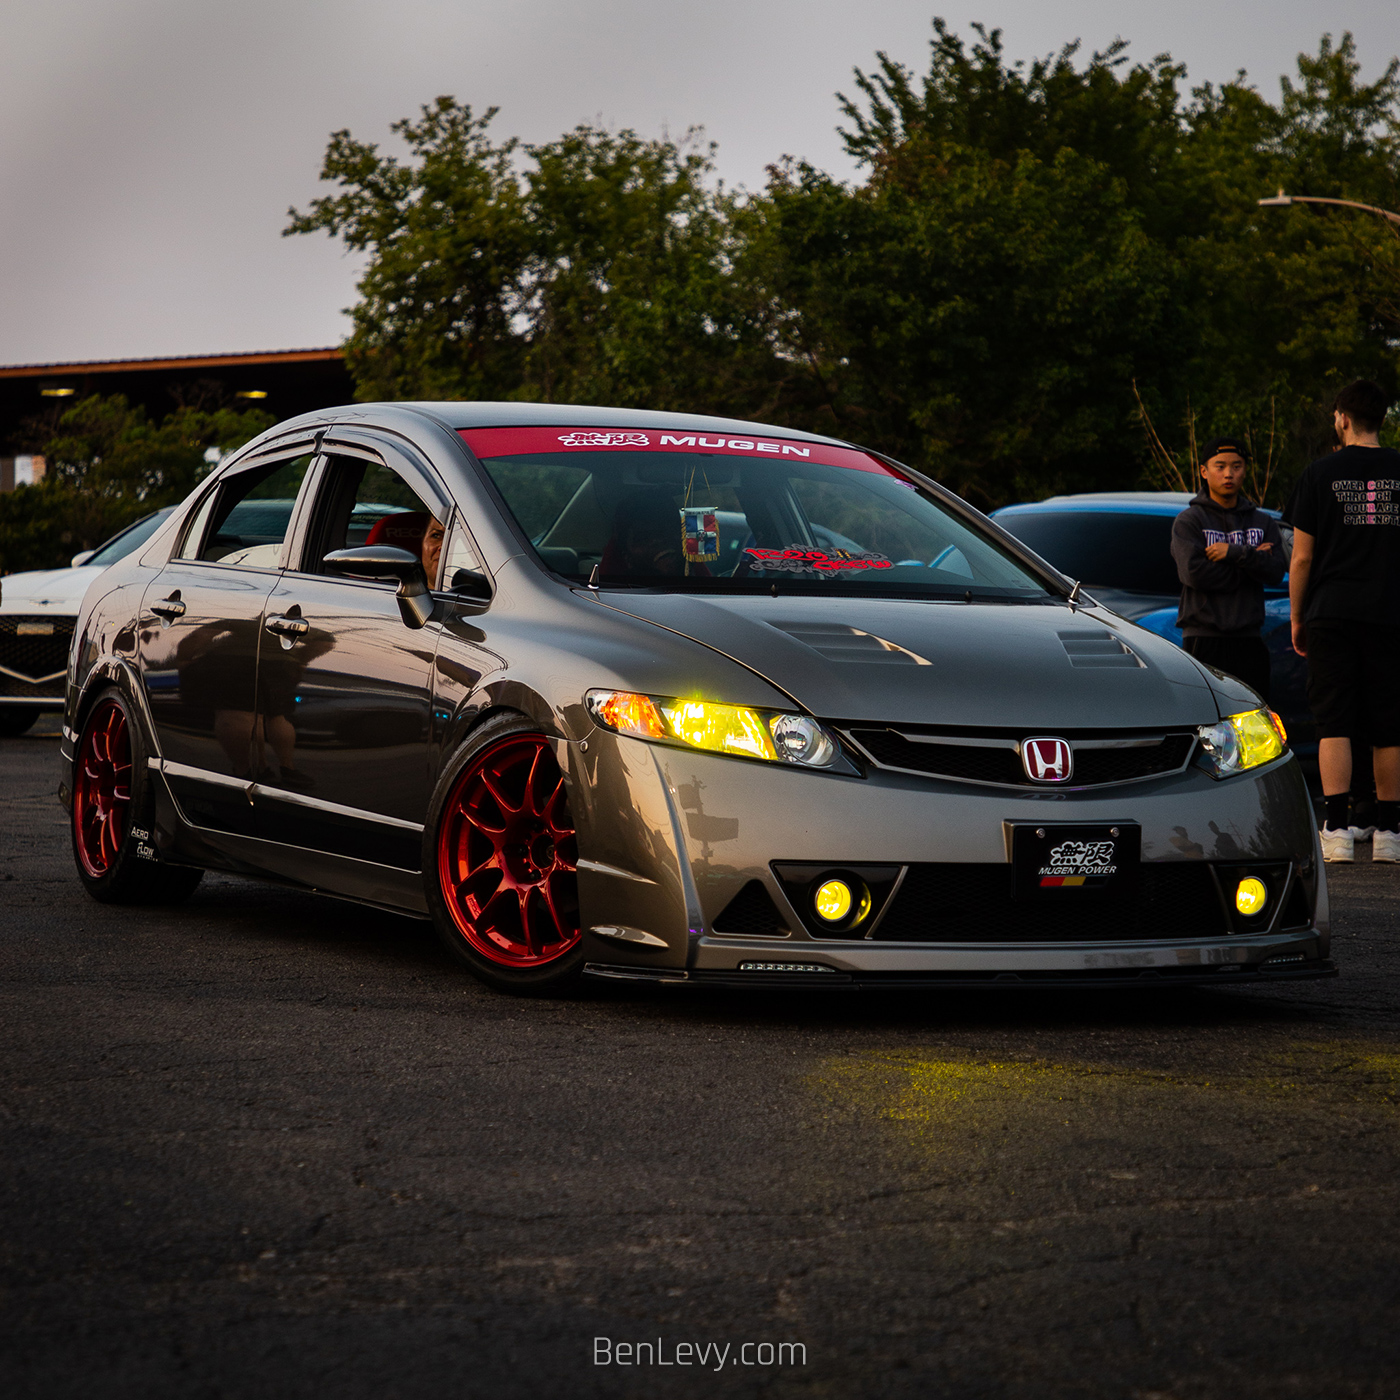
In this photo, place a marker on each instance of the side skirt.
(342, 877)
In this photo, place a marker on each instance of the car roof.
(1111, 503)
(486, 414)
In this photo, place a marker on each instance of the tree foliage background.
(1037, 255)
(107, 466)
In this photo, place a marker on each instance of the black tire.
(503, 891)
(16, 720)
(112, 812)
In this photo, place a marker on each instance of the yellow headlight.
(776, 736)
(1243, 741)
(833, 901)
(1251, 896)
(721, 728)
(1259, 739)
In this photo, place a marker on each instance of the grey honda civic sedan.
(672, 698)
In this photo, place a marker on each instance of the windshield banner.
(515, 442)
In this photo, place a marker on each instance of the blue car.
(1118, 544)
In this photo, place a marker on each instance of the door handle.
(169, 608)
(286, 626)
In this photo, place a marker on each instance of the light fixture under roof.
(251, 394)
(57, 393)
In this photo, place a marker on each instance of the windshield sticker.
(514, 442)
(816, 561)
(604, 440)
(699, 534)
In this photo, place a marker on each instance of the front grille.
(995, 761)
(32, 660)
(976, 904)
(752, 912)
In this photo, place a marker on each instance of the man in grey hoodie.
(1226, 550)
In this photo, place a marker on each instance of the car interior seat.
(403, 530)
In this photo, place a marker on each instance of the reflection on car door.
(198, 651)
(344, 686)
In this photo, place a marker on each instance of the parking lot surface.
(267, 1144)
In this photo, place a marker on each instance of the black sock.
(1388, 816)
(1338, 818)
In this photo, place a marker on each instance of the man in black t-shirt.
(1344, 591)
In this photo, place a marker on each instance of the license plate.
(34, 629)
(1075, 862)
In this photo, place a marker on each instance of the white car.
(37, 613)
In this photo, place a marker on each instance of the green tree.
(978, 318)
(1033, 250)
(108, 466)
(595, 268)
(1268, 312)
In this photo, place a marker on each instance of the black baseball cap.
(1224, 444)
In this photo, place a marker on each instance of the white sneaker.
(1337, 846)
(1387, 846)
(1362, 833)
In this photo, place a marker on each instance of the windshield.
(651, 510)
(133, 537)
(1113, 549)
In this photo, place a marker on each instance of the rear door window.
(245, 518)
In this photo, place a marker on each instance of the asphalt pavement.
(268, 1144)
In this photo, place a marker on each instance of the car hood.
(982, 665)
(46, 590)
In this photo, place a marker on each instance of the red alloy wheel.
(508, 855)
(102, 789)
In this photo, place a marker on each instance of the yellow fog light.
(1251, 896)
(841, 903)
(833, 901)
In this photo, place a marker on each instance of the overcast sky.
(149, 148)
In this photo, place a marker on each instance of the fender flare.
(105, 671)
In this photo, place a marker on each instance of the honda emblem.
(1047, 760)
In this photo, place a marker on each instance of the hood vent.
(1099, 649)
(837, 642)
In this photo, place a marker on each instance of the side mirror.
(471, 584)
(387, 562)
(81, 558)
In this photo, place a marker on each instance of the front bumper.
(673, 836)
(34, 658)
(1084, 979)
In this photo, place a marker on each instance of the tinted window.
(720, 522)
(1102, 547)
(244, 520)
(365, 502)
